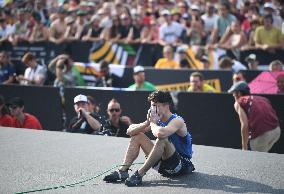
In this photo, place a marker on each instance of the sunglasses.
(13, 107)
(114, 110)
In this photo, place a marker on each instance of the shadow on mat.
(214, 182)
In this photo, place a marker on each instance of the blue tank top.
(183, 145)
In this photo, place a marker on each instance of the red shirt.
(6, 121)
(261, 116)
(30, 122)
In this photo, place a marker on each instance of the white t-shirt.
(35, 74)
(209, 22)
(237, 66)
(170, 33)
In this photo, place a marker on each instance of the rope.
(76, 183)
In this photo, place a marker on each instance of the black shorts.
(173, 166)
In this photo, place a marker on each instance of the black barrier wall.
(213, 121)
(210, 117)
(43, 102)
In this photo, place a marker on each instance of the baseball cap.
(182, 49)
(165, 12)
(138, 69)
(80, 98)
(251, 57)
(239, 86)
(16, 101)
(204, 58)
(268, 5)
(195, 7)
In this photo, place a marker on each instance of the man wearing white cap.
(84, 122)
(170, 31)
(139, 78)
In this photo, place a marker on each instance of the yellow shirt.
(270, 37)
(205, 88)
(164, 63)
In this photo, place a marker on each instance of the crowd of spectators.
(234, 24)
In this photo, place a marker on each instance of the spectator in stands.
(167, 62)
(268, 37)
(225, 18)
(6, 30)
(80, 23)
(197, 84)
(234, 37)
(125, 28)
(280, 83)
(35, 74)
(39, 32)
(150, 33)
(105, 77)
(209, 18)
(205, 62)
(259, 123)
(183, 56)
(239, 76)
(276, 66)
(113, 33)
(252, 62)
(117, 124)
(170, 31)
(71, 30)
(7, 70)
(21, 27)
(5, 118)
(226, 63)
(58, 27)
(170, 154)
(196, 32)
(20, 118)
(93, 31)
(85, 121)
(63, 65)
(270, 9)
(139, 78)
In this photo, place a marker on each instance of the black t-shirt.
(81, 125)
(117, 131)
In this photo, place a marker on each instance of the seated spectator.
(170, 31)
(58, 27)
(167, 62)
(105, 78)
(252, 63)
(139, 78)
(225, 18)
(80, 23)
(113, 33)
(5, 118)
(125, 28)
(93, 31)
(183, 57)
(226, 63)
(196, 32)
(234, 37)
(209, 18)
(150, 33)
(197, 83)
(7, 70)
(205, 62)
(276, 66)
(6, 30)
(35, 74)
(269, 8)
(239, 76)
(71, 30)
(39, 31)
(21, 28)
(268, 37)
(280, 83)
(117, 124)
(22, 119)
(85, 121)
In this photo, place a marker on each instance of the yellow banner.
(215, 83)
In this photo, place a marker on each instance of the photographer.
(61, 66)
(84, 122)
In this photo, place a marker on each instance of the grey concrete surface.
(33, 160)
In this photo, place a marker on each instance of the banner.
(215, 83)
